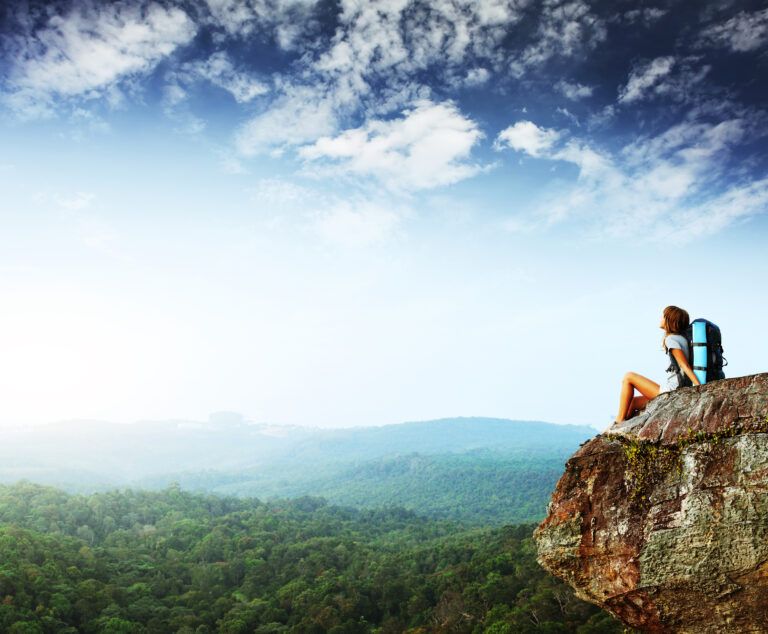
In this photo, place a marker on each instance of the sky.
(360, 213)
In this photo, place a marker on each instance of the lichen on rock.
(664, 522)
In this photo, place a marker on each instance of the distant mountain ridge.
(452, 467)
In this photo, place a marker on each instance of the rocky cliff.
(664, 522)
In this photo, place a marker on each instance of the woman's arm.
(684, 366)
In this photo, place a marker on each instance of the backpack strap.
(682, 378)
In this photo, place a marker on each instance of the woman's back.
(674, 342)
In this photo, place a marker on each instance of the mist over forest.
(476, 470)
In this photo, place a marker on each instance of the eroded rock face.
(665, 523)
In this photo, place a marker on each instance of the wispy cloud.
(219, 70)
(645, 16)
(742, 33)
(657, 187)
(357, 223)
(644, 78)
(87, 223)
(378, 50)
(175, 107)
(275, 194)
(573, 91)
(85, 52)
(76, 201)
(231, 164)
(286, 20)
(300, 115)
(679, 80)
(566, 28)
(349, 222)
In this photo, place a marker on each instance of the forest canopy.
(172, 561)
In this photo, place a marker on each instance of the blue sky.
(352, 213)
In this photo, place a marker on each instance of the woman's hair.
(676, 321)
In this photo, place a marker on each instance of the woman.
(674, 322)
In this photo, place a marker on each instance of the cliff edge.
(664, 523)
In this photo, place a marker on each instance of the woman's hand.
(682, 361)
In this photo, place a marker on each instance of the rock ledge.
(664, 522)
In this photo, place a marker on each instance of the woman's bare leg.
(625, 398)
(631, 382)
(638, 403)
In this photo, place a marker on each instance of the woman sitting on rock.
(674, 322)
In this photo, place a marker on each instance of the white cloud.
(743, 32)
(235, 16)
(643, 79)
(669, 186)
(569, 116)
(427, 147)
(476, 77)
(573, 91)
(526, 136)
(301, 115)
(407, 35)
(679, 80)
(173, 95)
(737, 203)
(388, 42)
(85, 52)
(692, 142)
(220, 71)
(217, 69)
(566, 28)
(285, 20)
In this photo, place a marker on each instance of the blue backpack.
(705, 355)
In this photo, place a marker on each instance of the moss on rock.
(649, 463)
